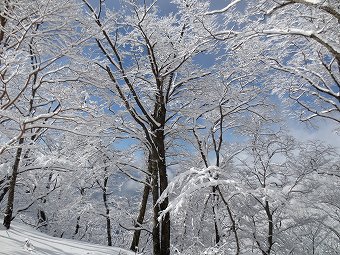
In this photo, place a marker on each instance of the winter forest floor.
(22, 239)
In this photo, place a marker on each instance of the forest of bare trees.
(179, 127)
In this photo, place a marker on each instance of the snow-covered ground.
(21, 240)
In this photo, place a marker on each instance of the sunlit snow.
(21, 239)
(313, 1)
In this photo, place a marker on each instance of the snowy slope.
(22, 240)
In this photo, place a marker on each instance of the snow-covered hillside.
(22, 240)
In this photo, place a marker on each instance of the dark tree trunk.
(214, 188)
(215, 198)
(155, 195)
(270, 228)
(5, 187)
(165, 224)
(159, 166)
(42, 217)
(140, 218)
(11, 190)
(232, 219)
(108, 220)
(161, 231)
(3, 21)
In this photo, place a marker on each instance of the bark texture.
(11, 190)
(140, 219)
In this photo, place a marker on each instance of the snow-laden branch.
(65, 129)
(189, 183)
(11, 142)
(301, 72)
(315, 35)
(225, 9)
(321, 4)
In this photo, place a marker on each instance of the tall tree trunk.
(12, 183)
(140, 218)
(270, 228)
(163, 181)
(160, 167)
(214, 208)
(161, 231)
(77, 227)
(155, 195)
(108, 220)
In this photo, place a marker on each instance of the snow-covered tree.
(101, 102)
(148, 61)
(40, 81)
(299, 41)
(273, 190)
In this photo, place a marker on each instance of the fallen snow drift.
(21, 240)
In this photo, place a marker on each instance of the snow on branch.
(189, 183)
(321, 4)
(225, 9)
(334, 49)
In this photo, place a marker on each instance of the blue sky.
(165, 5)
(297, 129)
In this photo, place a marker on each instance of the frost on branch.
(185, 185)
(302, 39)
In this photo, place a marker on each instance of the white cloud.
(325, 131)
